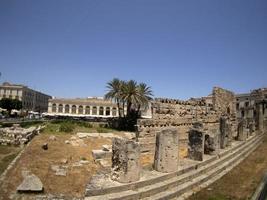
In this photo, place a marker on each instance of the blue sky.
(181, 48)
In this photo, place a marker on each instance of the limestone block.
(126, 165)
(225, 133)
(196, 144)
(261, 118)
(240, 131)
(251, 127)
(31, 183)
(212, 142)
(166, 152)
(100, 154)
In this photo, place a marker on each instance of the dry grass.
(241, 182)
(7, 154)
(39, 161)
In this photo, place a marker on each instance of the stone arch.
(80, 110)
(107, 111)
(60, 108)
(87, 110)
(94, 110)
(67, 108)
(54, 107)
(73, 109)
(101, 110)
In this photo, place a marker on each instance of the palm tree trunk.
(118, 105)
(123, 105)
(138, 109)
(129, 105)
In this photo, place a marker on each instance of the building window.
(246, 104)
(80, 110)
(73, 109)
(237, 106)
(60, 108)
(114, 111)
(67, 108)
(242, 113)
(87, 110)
(94, 110)
(108, 111)
(101, 111)
(54, 108)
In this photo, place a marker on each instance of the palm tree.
(130, 93)
(114, 92)
(145, 95)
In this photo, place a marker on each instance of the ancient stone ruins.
(17, 135)
(193, 143)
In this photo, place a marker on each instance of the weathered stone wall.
(181, 115)
(224, 101)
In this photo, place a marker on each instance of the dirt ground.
(241, 182)
(39, 162)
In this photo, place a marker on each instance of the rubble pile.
(17, 135)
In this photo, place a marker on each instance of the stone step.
(188, 187)
(163, 177)
(163, 186)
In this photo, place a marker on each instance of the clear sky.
(181, 48)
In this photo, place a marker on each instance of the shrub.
(66, 127)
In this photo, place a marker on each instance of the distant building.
(82, 107)
(246, 104)
(88, 107)
(31, 99)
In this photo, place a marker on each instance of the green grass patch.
(29, 124)
(5, 149)
(66, 127)
(6, 161)
(72, 126)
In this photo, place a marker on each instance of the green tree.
(115, 92)
(145, 95)
(10, 104)
(133, 95)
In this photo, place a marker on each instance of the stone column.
(241, 136)
(261, 118)
(91, 110)
(63, 108)
(212, 142)
(84, 108)
(97, 110)
(57, 108)
(251, 127)
(166, 152)
(196, 143)
(125, 160)
(225, 133)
